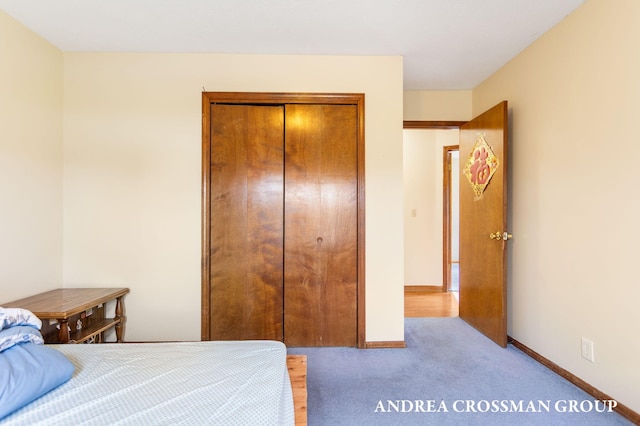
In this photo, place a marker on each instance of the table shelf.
(85, 334)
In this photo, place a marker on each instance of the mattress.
(183, 383)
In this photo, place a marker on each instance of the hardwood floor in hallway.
(426, 301)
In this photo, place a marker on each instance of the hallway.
(429, 301)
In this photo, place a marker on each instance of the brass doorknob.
(504, 236)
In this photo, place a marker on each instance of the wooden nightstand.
(76, 315)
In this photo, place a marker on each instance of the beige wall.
(430, 105)
(30, 162)
(132, 175)
(131, 172)
(573, 97)
(423, 187)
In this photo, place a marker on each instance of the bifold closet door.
(320, 220)
(246, 222)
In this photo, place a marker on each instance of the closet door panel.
(246, 222)
(320, 225)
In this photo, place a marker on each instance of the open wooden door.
(483, 223)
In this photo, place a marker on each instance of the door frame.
(446, 205)
(261, 98)
(446, 214)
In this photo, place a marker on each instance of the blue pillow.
(28, 371)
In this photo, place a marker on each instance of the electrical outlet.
(587, 350)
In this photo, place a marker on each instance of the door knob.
(504, 236)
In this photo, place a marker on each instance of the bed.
(221, 382)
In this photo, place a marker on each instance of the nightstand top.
(63, 303)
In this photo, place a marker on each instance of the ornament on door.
(480, 166)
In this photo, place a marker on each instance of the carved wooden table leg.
(64, 331)
(119, 314)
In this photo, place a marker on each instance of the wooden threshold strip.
(385, 345)
(621, 409)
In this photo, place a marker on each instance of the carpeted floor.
(449, 374)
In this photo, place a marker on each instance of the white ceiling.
(446, 44)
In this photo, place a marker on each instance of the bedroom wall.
(132, 175)
(573, 96)
(30, 162)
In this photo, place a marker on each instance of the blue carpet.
(449, 374)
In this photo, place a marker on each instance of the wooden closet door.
(320, 257)
(246, 222)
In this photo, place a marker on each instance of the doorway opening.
(483, 144)
(431, 218)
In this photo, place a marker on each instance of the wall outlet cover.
(587, 350)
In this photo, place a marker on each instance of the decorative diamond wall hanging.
(480, 166)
